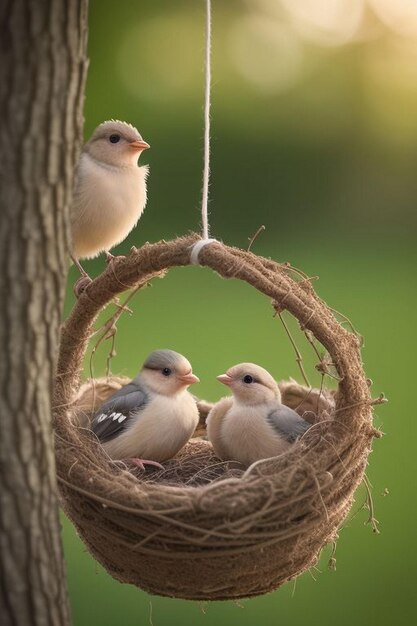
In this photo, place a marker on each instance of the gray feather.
(119, 411)
(287, 423)
(163, 358)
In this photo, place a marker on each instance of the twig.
(298, 356)
(322, 367)
(332, 559)
(346, 320)
(252, 239)
(370, 505)
(109, 330)
(308, 334)
(304, 277)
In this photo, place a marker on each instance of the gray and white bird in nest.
(109, 194)
(253, 424)
(150, 419)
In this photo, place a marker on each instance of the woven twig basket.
(243, 533)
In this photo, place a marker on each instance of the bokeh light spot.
(326, 23)
(399, 15)
(266, 53)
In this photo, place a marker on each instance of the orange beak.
(189, 379)
(139, 144)
(225, 379)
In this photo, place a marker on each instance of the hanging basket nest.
(205, 529)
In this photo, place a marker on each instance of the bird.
(152, 417)
(252, 424)
(110, 191)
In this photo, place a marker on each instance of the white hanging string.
(207, 103)
(206, 169)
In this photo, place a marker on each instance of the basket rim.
(269, 277)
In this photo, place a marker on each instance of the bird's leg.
(142, 462)
(110, 257)
(79, 266)
(82, 282)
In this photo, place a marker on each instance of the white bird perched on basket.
(110, 190)
(253, 424)
(152, 417)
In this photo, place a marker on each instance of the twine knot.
(197, 247)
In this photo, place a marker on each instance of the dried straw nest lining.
(204, 529)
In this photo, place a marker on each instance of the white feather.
(245, 435)
(160, 430)
(108, 203)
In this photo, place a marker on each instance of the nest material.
(203, 529)
(197, 464)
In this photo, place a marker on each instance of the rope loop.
(197, 247)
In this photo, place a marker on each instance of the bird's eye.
(248, 379)
(166, 371)
(114, 138)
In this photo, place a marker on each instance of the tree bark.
(43, 68)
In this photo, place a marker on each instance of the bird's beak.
(225, 379)
(189, 379)
(139, 144)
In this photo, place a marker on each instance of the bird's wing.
(214, 425)
(287, 423)
(117, 413)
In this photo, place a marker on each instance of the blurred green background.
(314, 135)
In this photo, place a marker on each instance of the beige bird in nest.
(152, 418)
(110, 192)
(253, 424)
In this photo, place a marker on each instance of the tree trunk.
(43, 67)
